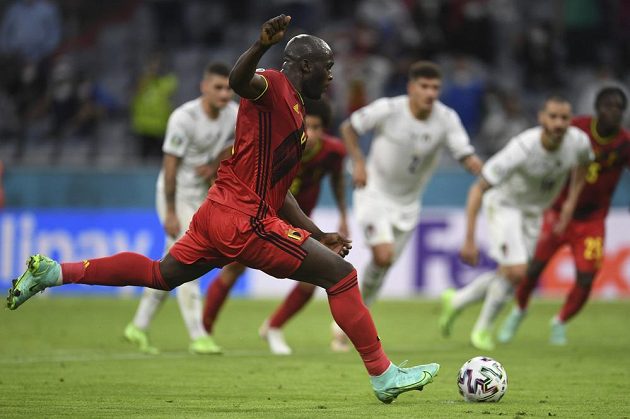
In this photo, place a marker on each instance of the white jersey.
(527, 176)
(405, 150)
(197, 140)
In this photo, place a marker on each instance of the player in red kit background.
(323, 155)
(251, 217)
(585, 233)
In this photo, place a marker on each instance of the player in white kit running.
(199, 134)
(516, 185)
(410, 132)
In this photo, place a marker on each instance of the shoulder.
(188, 111)
(334, 145)
(578, 135)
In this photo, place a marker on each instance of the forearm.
(473, 204)
(577, 182)
(472, 164)
(169, 192)
(339, 193)
(292, 213)
(351, 141)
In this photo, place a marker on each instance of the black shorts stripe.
(288, 241)
(264, 153)
(294, 251)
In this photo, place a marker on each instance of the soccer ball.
(482, 379)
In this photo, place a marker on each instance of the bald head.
(306, 47)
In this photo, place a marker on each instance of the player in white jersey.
(516, 185)
(410, 132)
(199, 134)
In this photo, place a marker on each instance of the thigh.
(586, 239)
(321, 266)
(273, 246)
(507, 240)
(373, 217)
(548, 243)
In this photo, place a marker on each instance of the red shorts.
(219, 235)
(584, 237)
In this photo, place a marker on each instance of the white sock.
(474, 291)
(372, 281)
(150, 303)
(189, 300)
(499, 292)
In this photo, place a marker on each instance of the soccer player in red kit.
(585, 233)
(323, 155)
(251, 217)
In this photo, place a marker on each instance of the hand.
(563, 220)
(469, 254)
(273, 30)
(171, 225)
(337, 243)
(207, 172)
(343, 228)
(359, 175)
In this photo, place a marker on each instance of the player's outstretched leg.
(323, 267)
(42, 272)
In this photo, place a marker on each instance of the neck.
(605, 131)
(418, 113)
(292, 76)
(547, 143)
(211, 111)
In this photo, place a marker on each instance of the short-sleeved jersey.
(405, 150)
(326, 159)
(267, 150)
(602, 177)
(196, 139)
(527, 176)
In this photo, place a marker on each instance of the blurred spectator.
(1, 185)
(583, 29)
(30, 29)
(463, 90)
(29, 33)
(470, 28)
(76, 105)
(151, 106)
(505, 119)
(540, 57)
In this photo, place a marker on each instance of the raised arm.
(243, 78)
(351, 140)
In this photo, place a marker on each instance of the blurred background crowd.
(91, 83)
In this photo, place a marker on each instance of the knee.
(585, 279)
(383, 257)
(230, 273)
(514, 274)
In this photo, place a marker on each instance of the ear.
(305, 66)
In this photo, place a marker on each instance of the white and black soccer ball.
(482, 379)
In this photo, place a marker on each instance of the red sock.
(297, 298)
(574, 302)
(355, 320)
(116, 271)
(524, 291)
(215, 297)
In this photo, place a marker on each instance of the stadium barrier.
(428, 265)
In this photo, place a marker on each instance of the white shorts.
(185, 209)
(383, 221)
(513, 233)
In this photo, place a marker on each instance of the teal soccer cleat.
(510, 325)
(42, 272)
(397, 380)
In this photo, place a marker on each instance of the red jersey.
(611, 156)
(269, 141)
(326, 158)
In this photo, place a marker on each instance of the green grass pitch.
(64, 356)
